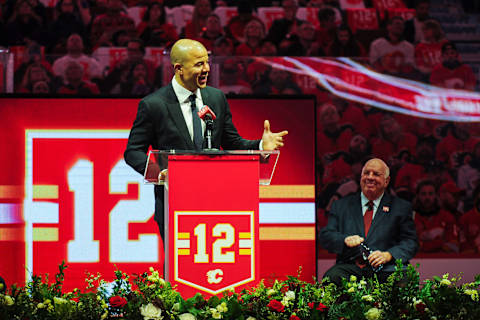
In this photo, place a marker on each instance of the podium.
(211, 216)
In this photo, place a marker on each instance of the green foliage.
(148, 296)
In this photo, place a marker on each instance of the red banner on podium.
(213, 222)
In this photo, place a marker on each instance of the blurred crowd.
(95, 46)
(86, 47)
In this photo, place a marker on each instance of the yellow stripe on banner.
(12, 234)
(183, 252)
(306, 191)
(287, 233)
(11, 192)
(45, 234)
(183, 235)
(244, 235)
(45, 192)
(245, 252)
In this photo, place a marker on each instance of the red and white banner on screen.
(353, 81)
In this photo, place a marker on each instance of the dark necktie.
(197, 125)
(367, 218)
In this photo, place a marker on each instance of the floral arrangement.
(147, 296)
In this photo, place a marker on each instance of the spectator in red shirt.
(35, 73)
(392, 140)
(421, 166)
(456, 140)
(119, 73)
(345, 45)
(437, 229)
(428, 53)
(212, 32)
(257, 70)
(195, 27)
(328, 28)
(231, 77)
(74, 83)
(452, 73)
(284, 30)
(71, 17)
(347, 165)
(470, 226)
(414, 32)
(223, 47)
(105, 25)
(24, 26)
(277, 81)
(254, 34)
(154, 30)
(136, 82)
(235, 28)
(304, 44)
(331, 136)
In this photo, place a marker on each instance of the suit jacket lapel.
(381, 213)
(175, 112)
(358, 216)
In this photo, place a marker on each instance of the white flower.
(351, 290)
(150, 312)
(9, 301)
(367, 298)
(40, 305)
(222, 307)
(270, 292)
(251, 318)
(353, 278)
(363, 282)
(58, 300)
(186, 316)
(472, 293)
(176, 307)
(290, 295)
(215, 313)
(445, 282)
(373, 314)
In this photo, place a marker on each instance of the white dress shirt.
(183, 95)
(376, 204)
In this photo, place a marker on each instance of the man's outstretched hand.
(272, 140)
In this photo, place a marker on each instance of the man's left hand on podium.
(163, 175)
(272, 140)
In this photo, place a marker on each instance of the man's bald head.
(182, 48)
(190, 63)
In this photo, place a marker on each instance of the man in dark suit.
(382, 222)
(167, 119)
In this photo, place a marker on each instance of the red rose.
(322, 307)
(276, 306)
(294, 317)
(117, 301)
(311, 305)
(421, 307)
(76, 299)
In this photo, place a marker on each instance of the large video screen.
(66, 193)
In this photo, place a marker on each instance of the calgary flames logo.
(215, 276)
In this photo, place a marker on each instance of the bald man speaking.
(167, 119)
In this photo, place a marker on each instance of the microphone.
(206, 112)
(207, 115)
